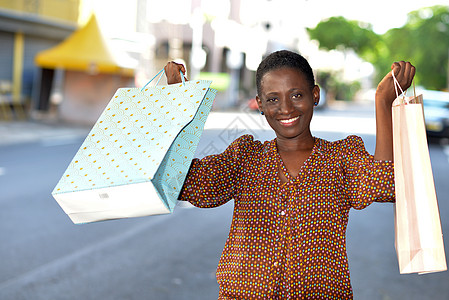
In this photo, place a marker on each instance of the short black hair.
(284, 59)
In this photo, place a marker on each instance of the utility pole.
(198, 55)
(447, 71)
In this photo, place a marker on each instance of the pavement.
(380, 281)
(15, 132)
(55, 132)
(52, 131)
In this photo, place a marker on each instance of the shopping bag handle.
(396, 85)
(162, 72)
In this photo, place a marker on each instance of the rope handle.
(396, 85)
(162, 72)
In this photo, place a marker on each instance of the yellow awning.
(84, 50)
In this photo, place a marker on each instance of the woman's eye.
(296, 96)
(271, 99)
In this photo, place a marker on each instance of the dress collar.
(319, 148)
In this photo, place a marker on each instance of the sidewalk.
(330, 119)
(16, 132)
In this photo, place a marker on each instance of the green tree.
(339, 33)
(423, 40)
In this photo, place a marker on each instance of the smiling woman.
(287, 102)
(292, 195)
(286, 95)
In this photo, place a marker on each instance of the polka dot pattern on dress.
(287, 240)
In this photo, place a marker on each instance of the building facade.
(229, 37)
(26, 28)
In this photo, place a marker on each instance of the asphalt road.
(44, 256)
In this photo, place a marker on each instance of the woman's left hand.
(404, 73)
(172, 72)
(385, 95)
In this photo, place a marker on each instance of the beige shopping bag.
(418, 235)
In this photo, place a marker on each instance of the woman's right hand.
(172, 72)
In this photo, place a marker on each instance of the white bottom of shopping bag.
(125, 201)
(422, 261)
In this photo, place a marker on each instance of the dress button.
(275, 263)
(283, 213)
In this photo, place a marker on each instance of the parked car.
(436, 113)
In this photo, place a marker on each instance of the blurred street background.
(61, 62)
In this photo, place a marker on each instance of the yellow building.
(26, 28)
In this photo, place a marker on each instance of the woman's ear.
(259, 103)
(316, 95)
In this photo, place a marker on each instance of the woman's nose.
(286, 105)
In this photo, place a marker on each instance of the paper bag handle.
(162, 72)
(396, 85)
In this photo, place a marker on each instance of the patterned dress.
(287, 240)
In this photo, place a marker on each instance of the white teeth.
(289, 120)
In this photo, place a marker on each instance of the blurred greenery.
(220, 81)
(423, 40)
(336, 88)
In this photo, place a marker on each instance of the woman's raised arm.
(385, 95)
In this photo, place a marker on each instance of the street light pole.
(197, 56)
(447, 75)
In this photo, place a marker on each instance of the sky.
(382, 14)
(119, 20)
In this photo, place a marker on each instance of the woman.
(292, 195)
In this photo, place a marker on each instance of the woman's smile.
(287, 100)
(289, 122)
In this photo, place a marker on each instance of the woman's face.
(287, 101)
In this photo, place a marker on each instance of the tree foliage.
(339, 33)
(423, 40)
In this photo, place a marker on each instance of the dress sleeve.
(365, 180)
(212, 181)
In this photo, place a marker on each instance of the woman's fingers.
(412, 71)
(172, 71)
(404, 73)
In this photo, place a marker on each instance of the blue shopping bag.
(136, 157)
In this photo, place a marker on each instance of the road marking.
(2, 171)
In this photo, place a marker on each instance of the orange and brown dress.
(287, 240)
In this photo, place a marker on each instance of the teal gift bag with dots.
(136, 157)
